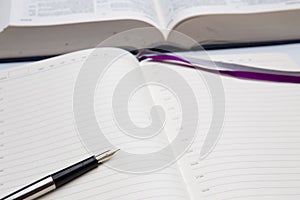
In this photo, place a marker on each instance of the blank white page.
(39, 136)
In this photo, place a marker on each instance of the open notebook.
(256, 157)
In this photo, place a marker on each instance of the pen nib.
(105, 156)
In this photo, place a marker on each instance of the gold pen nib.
(106, 155)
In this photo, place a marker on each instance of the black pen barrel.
(66, 175)
(50, 183)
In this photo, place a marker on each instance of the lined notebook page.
(38, 135)
(258, 153)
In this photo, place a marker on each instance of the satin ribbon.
(222, 68)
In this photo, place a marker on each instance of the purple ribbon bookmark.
(227, 69)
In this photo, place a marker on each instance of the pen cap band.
(65, 175)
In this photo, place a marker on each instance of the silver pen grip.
(34, 190)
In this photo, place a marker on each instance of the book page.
(56, 12)
(39, 135)
(260, 60)
(257, 153)
(181, 10)
(4, 14)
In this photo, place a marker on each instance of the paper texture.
(163, 14)
(256, 156)
(183, 9)
(39, 135)
(50, 12)
(4, 14)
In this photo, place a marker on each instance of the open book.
(51, 27)
(256, 156)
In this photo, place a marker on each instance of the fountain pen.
(58, 179)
